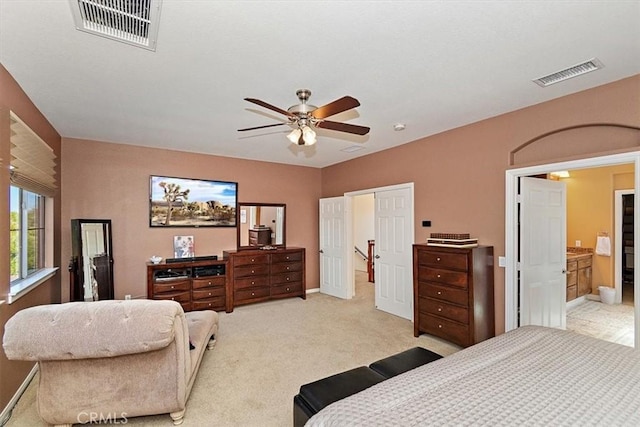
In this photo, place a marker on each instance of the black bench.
(404, 361)
(318, 394)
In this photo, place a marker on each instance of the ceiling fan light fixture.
(308, 135)
(294, 136)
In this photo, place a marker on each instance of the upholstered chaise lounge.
(111, 359)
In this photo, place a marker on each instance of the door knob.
(377, 257)
(321, 251)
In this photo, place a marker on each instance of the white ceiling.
(432, 65)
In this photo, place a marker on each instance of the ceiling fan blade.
(270, 107)
(338, 106)
(261, 127)
(343, 127)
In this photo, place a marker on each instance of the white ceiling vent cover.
(130, 21)
(568, 73)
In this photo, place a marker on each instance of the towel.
(603, 246)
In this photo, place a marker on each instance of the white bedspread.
(530, 376)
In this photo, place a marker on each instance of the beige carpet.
(609, 322)
(266, 351)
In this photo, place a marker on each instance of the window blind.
(33, 162)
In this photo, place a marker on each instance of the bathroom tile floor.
(609, 322)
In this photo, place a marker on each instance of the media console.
(197, 284)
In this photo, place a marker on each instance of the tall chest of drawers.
(453, 293)
(261, 275)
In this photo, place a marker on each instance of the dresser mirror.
(261, 224)
(91, 266)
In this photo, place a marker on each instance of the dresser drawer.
(294, 276)
(453, 278)
(208, 293)
(447, 329)
(286, 267)
(456, 296)
(286, 257)
(287, 289)
(172, 287)
(443, 309)
(251, 260)
(209, 304)
(443, 260)
(209, 282)
(250, 294)
(251, 270)
(181, 297)
(251, 282)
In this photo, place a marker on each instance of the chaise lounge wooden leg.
(177, 417)
(211, 343)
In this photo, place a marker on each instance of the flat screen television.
(189, 202)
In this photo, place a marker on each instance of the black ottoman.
(403, 362)
(318, 394)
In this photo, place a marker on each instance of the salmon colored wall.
(12, 98)
(111, 181)
(459, 178)
(459, 175)
(591, 208)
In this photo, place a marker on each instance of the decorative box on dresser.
(196, 285)
(261, 275)
(453, 293)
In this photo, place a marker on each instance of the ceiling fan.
(305, 116)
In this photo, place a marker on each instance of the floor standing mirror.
(91, 266)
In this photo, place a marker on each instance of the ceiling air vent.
(352, 148)
(130, 21)
(568, 73)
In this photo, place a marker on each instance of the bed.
(529, 376)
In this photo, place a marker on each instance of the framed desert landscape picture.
(189, 202)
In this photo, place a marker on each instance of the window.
(26, 233)
(32, 192)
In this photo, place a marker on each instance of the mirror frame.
(242, 205)
(77, 267)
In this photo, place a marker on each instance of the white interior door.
(333, 251)
(543, 242)
(393, 263)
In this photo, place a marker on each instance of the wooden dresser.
(453, 293)
(197, 285)
(262, 275)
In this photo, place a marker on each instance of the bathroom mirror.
(261, 224)
(91, 266)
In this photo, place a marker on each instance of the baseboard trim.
(577, 301)
(5, 415)
(313, 291)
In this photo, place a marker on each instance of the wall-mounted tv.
(188, 202)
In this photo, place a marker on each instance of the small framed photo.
(183, 247)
